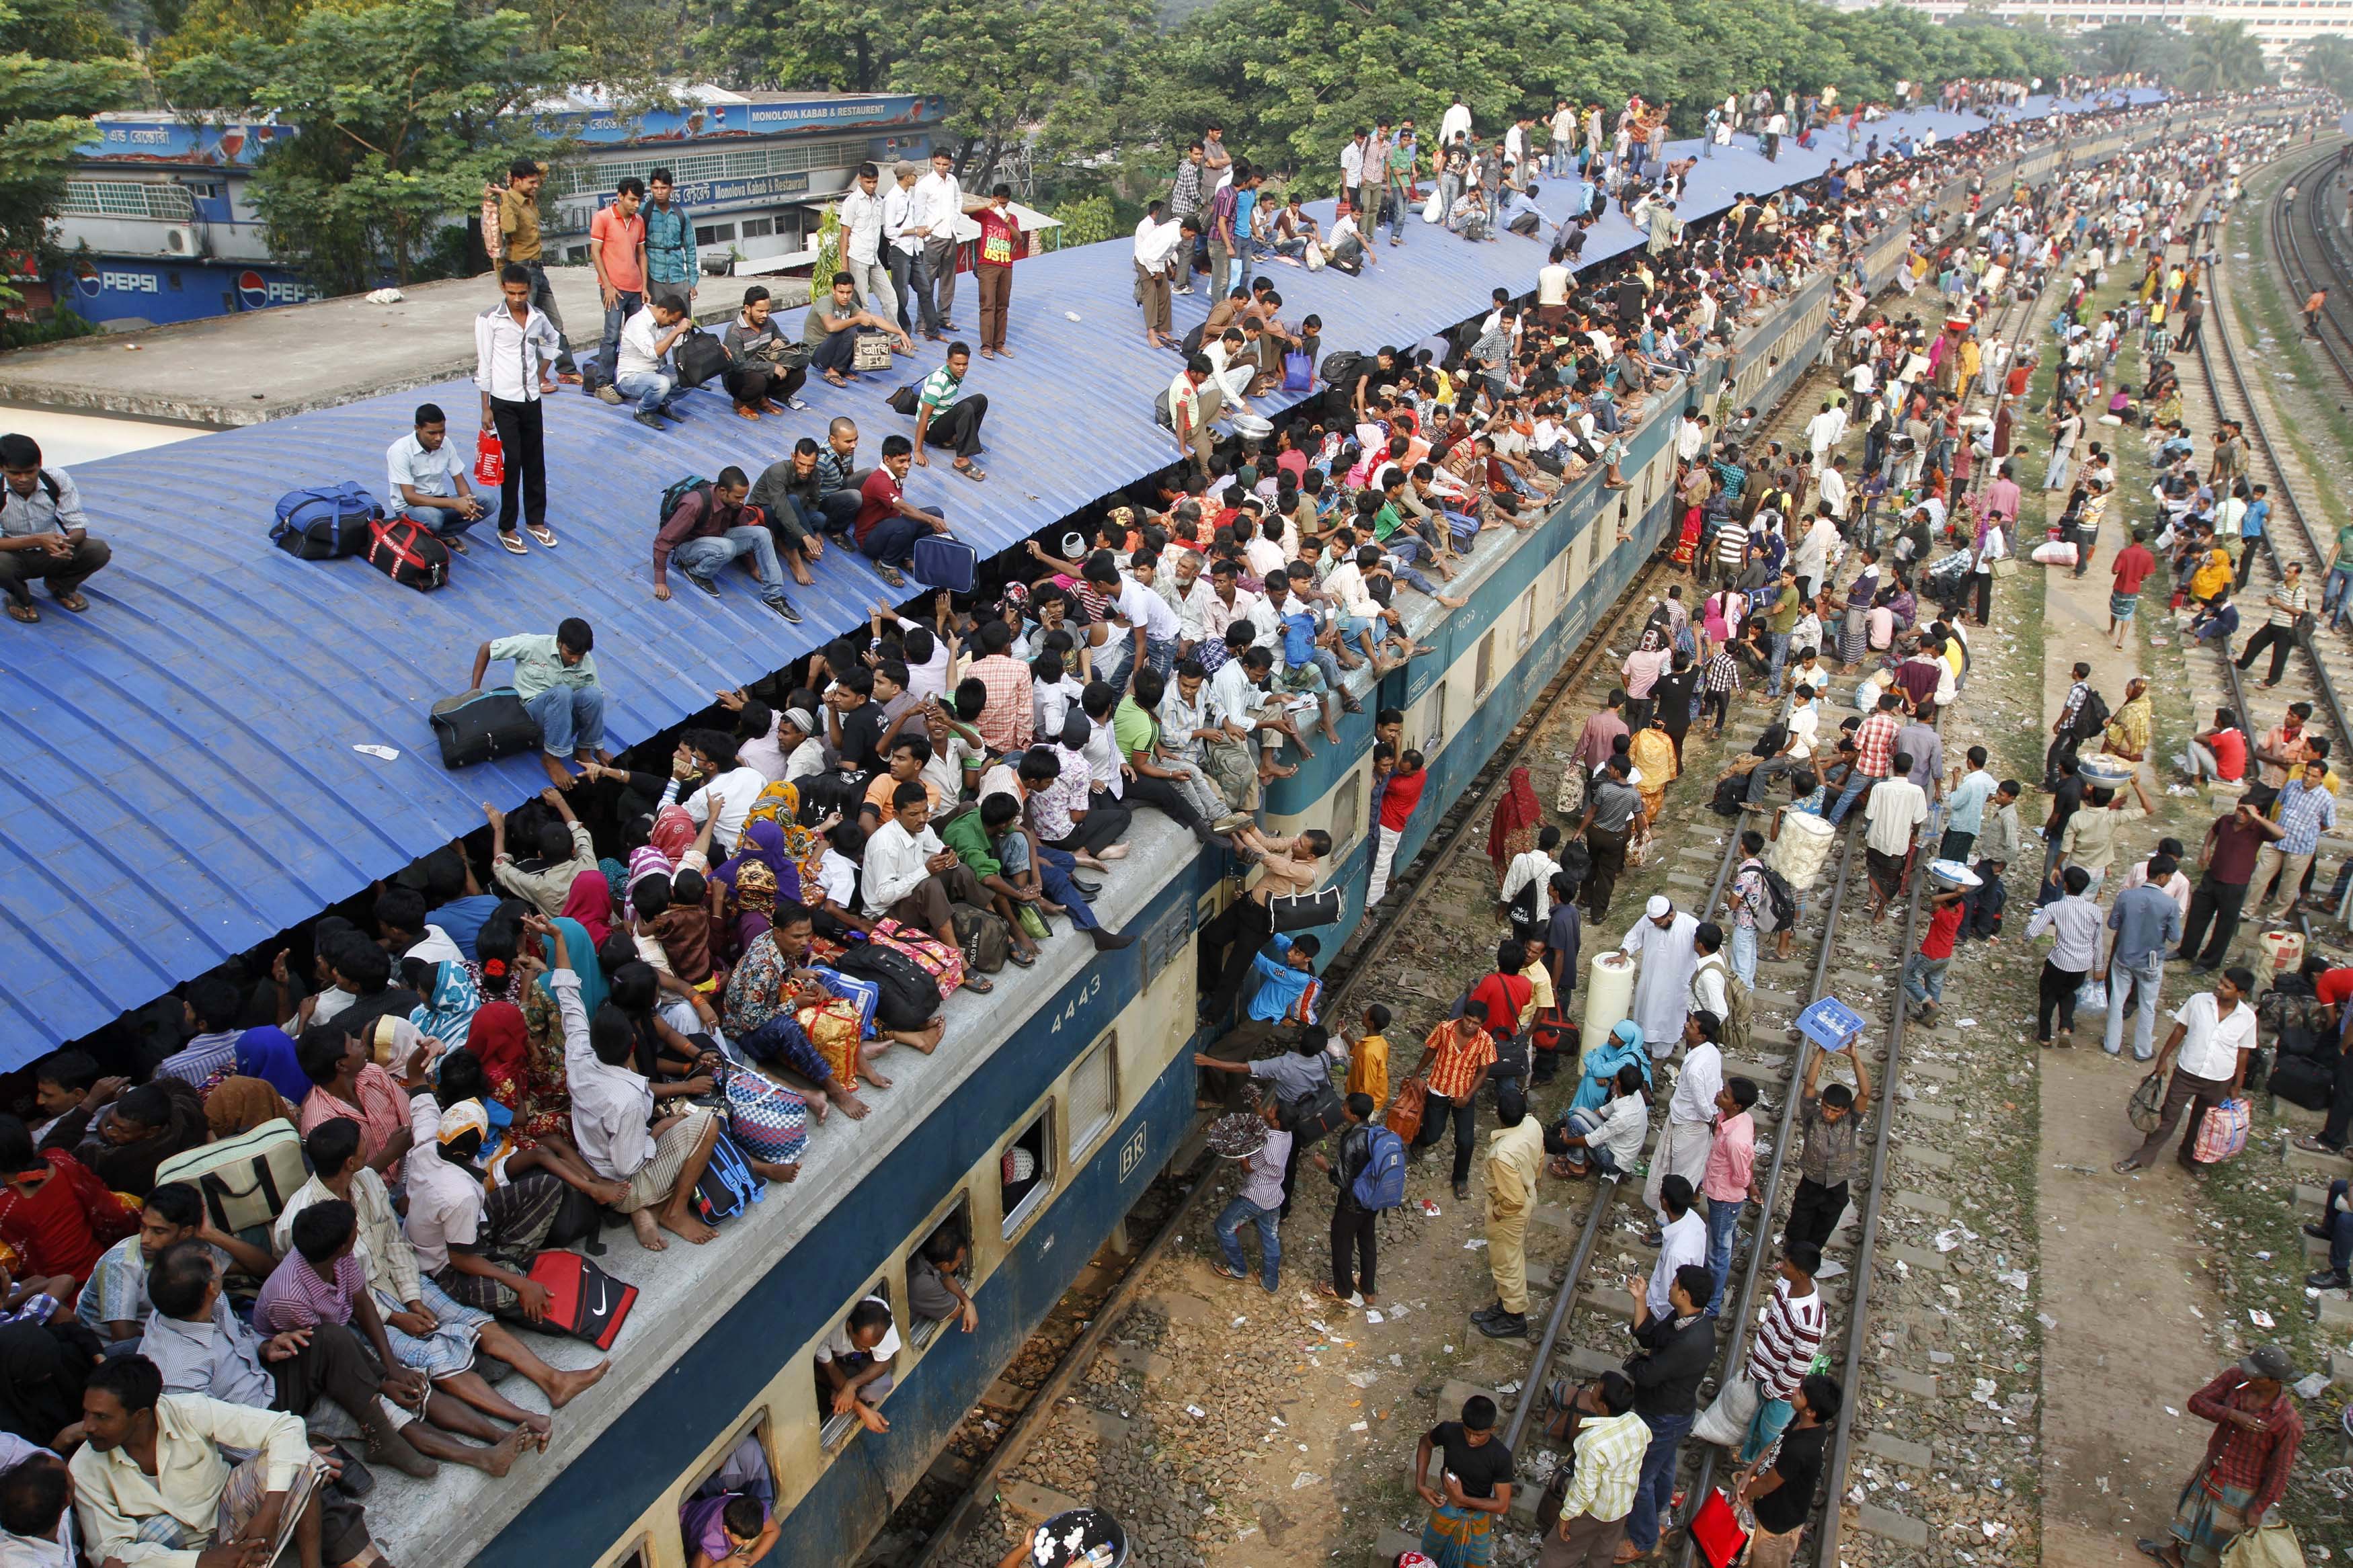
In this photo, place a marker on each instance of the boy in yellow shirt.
(1368, 1057)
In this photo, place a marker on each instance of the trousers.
(1355, 1252)
(1609, 864)
(2185, 1091)
(928, 906)
(1435, 1118)
(1507, 1256)
(522, 432)
(1682, 1151)
(1815, 1211)
(20, 568)
(2289, 868)
(996, 285)
(2144, 983)
(2055, 994)
(2217, 904)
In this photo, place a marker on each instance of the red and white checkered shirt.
(1006, 724)
(1874, 744)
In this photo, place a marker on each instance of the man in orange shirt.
(1455, 1061)
(617, 248)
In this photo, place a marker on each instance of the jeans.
(1772, 1416)
(1220, 261)
(1654, 1488)
(1744, 954)
(876, 288)
(1055, 868)
(1227, 1225)
(2147, 981)
(442, 521)
(2337, 1216)
(1450, 187)
(892, 541)
(1778, 642)
(1853, 792)
(1924, 978)
(2333, 594)
(608, 351)
(571, 718)
(704, 558)
(911, 279)
(1465, 1118)
(653, 391)
(1398, 206)
(1723, 1234)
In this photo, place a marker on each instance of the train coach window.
(939, 1275)
(1347, 812)
(731, 1512)
(1095, 1095)
(1025, 1174)
(1484, 679)
(856, 1365)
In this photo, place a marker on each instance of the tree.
(2149, 47)
(2327, 64)
(59, 66)
(2224, 57)
(402, 110)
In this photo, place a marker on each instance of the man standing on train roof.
(1665, 941)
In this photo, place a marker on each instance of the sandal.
(70, 600)
(978, 987)
(542, 532)
(971, 471)
(1230, 1273)
(744, 412)
(891, 574)
(513, 546)
(1023, 960)
(27, 614)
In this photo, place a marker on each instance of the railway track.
(2311, 256)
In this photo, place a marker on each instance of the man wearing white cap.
(1665, 941)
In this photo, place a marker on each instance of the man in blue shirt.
(2147, 923)
(1287, 1003)
(2253, 520)
(1966, 803)
(2305, 811)
(670, 237)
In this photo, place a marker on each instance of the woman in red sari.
(1517, 817)
(55, 1213)
(1687, 541)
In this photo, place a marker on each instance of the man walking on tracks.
(1514, 1156)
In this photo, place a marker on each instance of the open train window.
(942, 1255)
(858, 1356)
(1437, 736)
(1026, 1173)
(1528, 618)
(732, 1508)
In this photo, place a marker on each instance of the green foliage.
(403, 113)
(829, 248)
(2327, 64)
(59, 66)
(2149, 48)
(1087, 222)
(54, 327)
(2224, 57)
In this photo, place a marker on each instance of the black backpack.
(2091, 718)
(909, 999)
(1779, 896)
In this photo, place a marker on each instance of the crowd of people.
(670, 964)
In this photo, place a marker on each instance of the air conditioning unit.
(179, 239)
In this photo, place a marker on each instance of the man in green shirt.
(518, 239)
(555, 676)
(2333, 594)
(973, 834)
(945, 418)
(1779, 622)
(1161, 778)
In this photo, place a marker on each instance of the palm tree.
(2327, 64)
(2224, 57)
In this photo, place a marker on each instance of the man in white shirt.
(612, 1106)
(910, 874)
(1833, 487)
(730, 787)
(1689, 1135)
(641, 370)
(940, 202)
(1142, 613)
(515, 350)
(1821, 433)
(1683, 1238)
(1893, 813)
(861, 242)
(910, 269)
(1159, 240)
(1455, 121)
(426, 483)
(1352, 166)
(2213, 1035)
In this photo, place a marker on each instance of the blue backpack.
(728, 1187)
(324, 521)
(1381, 1184)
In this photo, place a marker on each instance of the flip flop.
(971, 471)
(27, 614)
(1023, 960)
(1229, 1273)
(512, 545)
(542, 532)
(71, 601)
(978, 987)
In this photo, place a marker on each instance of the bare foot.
(1090, 861)
(608, 1193)
(1115, 852)
(649, 1235)
(1454, 603)
(1331, 736)
(1274, 771)
(818, 1108)
(876, 1079)
(769, 1171)
(684, 1226)
(849, 1104)
(540, 1426)
(500, 1457)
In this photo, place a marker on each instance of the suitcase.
(698, 356)
(583, 1301)
(245, 1180)
(407, 553)
(947, 562)
(478, 726)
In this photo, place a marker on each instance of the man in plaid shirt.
(1875, 746)
(1611, 1442)
(2257, 1431)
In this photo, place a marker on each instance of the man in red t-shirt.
(2219, 752)
(886, 527)
(1924, 971)
(992, 269)
(2133, 565)
(1400, 781)
(1504, 995)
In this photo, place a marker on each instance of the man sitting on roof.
(555, 676)
(43, 532)
(829, 330)
(712, 527)
(426, 483)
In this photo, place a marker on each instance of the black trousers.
(1105, 820)
(1609, 864)
(1814, 1212)
(1229, 944)
(1355, 1253)
(2332, 1130)
(2055, 992)
(958, 426)
(1160, 793)
(1435, 1116)
(2277, 639)
(523, 434)
(749, 383)
(2217, 903)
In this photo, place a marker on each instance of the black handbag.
(478, 726)
(700, 357)
(1300, 911)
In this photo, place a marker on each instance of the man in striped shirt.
(1787, 1338)
(1611, 1442)
(1455, 1061)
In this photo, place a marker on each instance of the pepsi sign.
(255, 292)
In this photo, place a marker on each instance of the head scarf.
(673, 833)
(238, 1105)
(581, 954)
(267, 1053)
(40, 1384)
(590, 901)
(765, 846)
(447, 1011)
(1517, 815)
(755, 887)
(500, 1042)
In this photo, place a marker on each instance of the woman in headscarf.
(1514, 830)
(1601, 1063)
(40, 1386)
(268, 1054)
(1652, 752)
(238, 1105)
(747, 911)
(450, 1002)
(589, 902)
(1643, 667)
(1854, 632)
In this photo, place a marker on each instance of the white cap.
(1658, 906)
